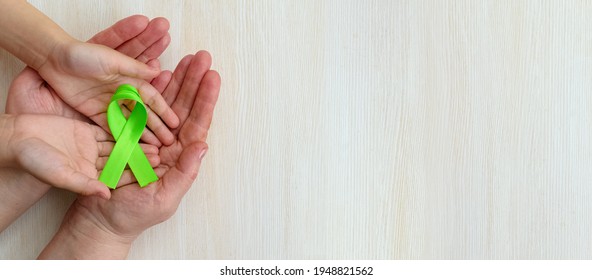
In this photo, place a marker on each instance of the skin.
(82, 74)
(135, 36)
(66, 160)
(94, 228)
(69, 160)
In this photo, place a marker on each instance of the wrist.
(81, 236)
(20, 191)
(36, 36)
(17, 132)
(58, 51)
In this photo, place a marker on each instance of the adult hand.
(108, 227)
(134, 36)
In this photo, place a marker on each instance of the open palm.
(135, 36)
(192, 93)
(69, 159)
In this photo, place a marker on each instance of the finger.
(101, 134)
(155, 101)
(128, 176)
(160, 171)
(197, 125)
(172, 89)
(157, 29)
(157, 128)
(101, 162)
(147, 136)
(105, 149)
(82, 184)
(153, 159)
(154, 63)
(190, 159)
(101, 120)
(179, 179)
(156, 49)
(129, 67)
(160, 83)
(96, 187)
(121, 31)
(149, 149)
(200, 64)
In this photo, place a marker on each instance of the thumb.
(84, 185)
(190, 159)
(181, 177)
(127, 66)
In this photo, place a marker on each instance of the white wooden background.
(370, 129)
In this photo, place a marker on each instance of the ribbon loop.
(127, 134)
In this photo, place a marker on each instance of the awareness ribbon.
(127, 135)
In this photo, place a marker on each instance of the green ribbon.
(127, 135)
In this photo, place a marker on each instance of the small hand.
(133, 36)
(62, 152)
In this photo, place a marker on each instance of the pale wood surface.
(371, 129)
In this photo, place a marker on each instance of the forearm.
(79, 237)
(19, 191)
(29, 34)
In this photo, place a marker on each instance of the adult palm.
(134, 36)
(192, 94)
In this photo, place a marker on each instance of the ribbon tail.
(141, 167)
(114, 166)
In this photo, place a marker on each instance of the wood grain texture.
(370, 129)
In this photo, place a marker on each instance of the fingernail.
(104, 196)
(202, 154)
